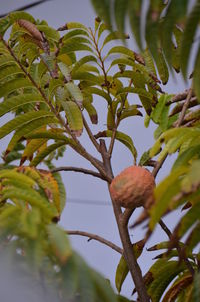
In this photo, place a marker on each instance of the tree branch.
(179, 97)
(80, 170)
(90, 134)
(179, 107)
(184, 109)
(128, 253)
(97, 238)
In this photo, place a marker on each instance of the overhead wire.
(24, 7)
(88, 202)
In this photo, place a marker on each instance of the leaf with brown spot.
(32, 29)
(178, 286)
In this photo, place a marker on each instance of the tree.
(49, 91)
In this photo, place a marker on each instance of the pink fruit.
(133, 187)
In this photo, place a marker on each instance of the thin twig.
(90, 134)
(179, 97)
(179, 107)
(97, 238)
(184, 109)
(80, 170)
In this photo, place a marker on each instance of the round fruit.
(133, 187)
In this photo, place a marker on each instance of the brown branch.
(97, 238)
(126, 216)
(179, 107)
(179, 97)
(80, 170)
(128, 253)
(184, 109)
(90, 134)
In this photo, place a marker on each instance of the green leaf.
(13, 85)
(103, 288)
(102, 28)
(6, 60)
(74, 117)
(76, 25)
(122, 267)
(12, 175)
(61, 186)
(18, 101)
(160, 113)
(74, 45)
(75, 92)
(120, 8)
(196, 288)
(123, 138)
(10, 71)
(140, 91)
(134, 10)
(28, 128)
(83, 61)
(91, 111)
(163, 272)
(55, 133)
(176, 10)
(59, 243)
(31, 147)
(164, 192)
(184, 158)
(162, 68)
(152, 26)
(33, 198)
(188, 36)
(144, 158)
(149, 61)
(130, 111)
(17, 15)
(86, 76)
(103, 10)
(197, 74)
(21, 120)
(74, 33)
(114, 36)
(50, 33)
(85, 281)
(45, 152)
(122, 50)
(181, 283)
(65, 70)
(97, 91)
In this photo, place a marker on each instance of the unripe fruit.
(133, 187)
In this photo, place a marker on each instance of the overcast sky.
(78, 215)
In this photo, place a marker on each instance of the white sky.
(94, 218)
